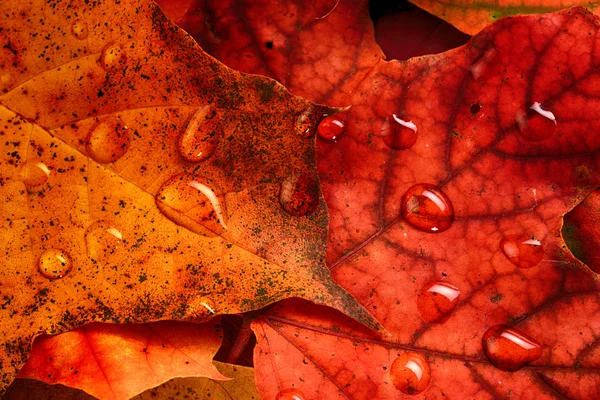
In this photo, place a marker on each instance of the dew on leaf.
(410, 373)
(80, 30)
(35, 173)
(522, 250)
(509, 349)
(201, 136)
(481, 69)
(398, 134)
(290, 394)
(332, 128)
(299, 194)
(103, 240)
(54, 264)
(113, 57)
(535, 124)
(437, 300)
(305, 124)
(108, 140)
(427, 208)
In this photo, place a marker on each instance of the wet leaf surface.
(102, 217)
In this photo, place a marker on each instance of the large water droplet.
(410, 373)
(192, 203)
(523, 251)
(103, 240)
(299, 194)
(114, 57)
(398, 134)
(485, 66)
(535, 124)
(80, 30)
(35, 173)
(509, 349)
(201, 136)
(54, 264)
(108, 140)
(427, 208)
(290, 394)
(437, 300)
(332, 128)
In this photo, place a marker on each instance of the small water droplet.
(437, 300)
(536, 124)
(484, 68)
(427, 208)
(114, 57)
(305, 123)
(193, 204)
(299, 194)
(103, 241)
(332, 128)
(108, 140)
(80, 30)
(522, 251)
(410, 373)
(475, 108)
(290, 394)
(201, 136)
(398, 134)
(35, 173)
(509, 349)
(54, 264)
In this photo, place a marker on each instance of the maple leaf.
(108, 214)
(509, 183)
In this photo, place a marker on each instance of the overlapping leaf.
(500, 184)
(95, 97)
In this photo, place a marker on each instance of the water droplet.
(193, 204)
(437, 300)
(509, 349)
(427, 208)
(398, 134)
(113, 58)
(103, 240)
(290, 394)
(482, 69)
(475, 108)
(108, 140)
(35, 173)
(332, 128)
(522, 251)
(201, 136)
(410, 373)
(536, 124)
(299, 194)
(305, 123)
(80, 30)
(54, 264)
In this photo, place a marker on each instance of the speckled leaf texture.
(466, 105)
(106, 217)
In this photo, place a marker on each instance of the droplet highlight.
(54, 264)
(437, 300)
(483, 68)
(332, 128)
(202, 135)
(35, 173)
(299, 194)
(290, 394)
(427, 208)
(114, 57)
(410, 373)
(80, 30)
(509, 349)
(103, 240)
(398, 134)
(536, 124)
(305, 123)
(108, 140)
(193, 202)
(523, 251)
